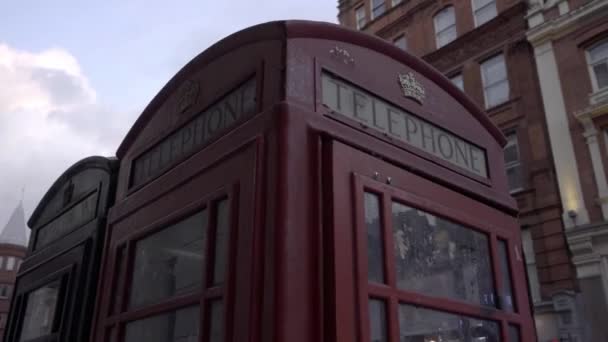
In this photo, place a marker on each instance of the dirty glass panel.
(169, 262)
(40, 311)
(514, 333)
(221, 242)
(377, 320)
(441, 258)
(419, 324)
(506, 298)
(177, 326)
(375, 245)
(216, 328)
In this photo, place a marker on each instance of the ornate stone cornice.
(564, 24)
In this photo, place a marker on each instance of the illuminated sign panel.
(191, 137)
(368, 109)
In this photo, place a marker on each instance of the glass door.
(430, 264)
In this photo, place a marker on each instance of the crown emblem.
(411, 87)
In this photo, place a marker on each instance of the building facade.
(570, 41)
(13, 246)
(483, 48)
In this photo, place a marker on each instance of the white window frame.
(455, 77)
(475, 10)
(10, 263)
(487, 84)
(449, 27)
(590, 64)
(398, 38)
(512, 139)
(360, 21)
(371, 8)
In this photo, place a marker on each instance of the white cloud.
(49, 119)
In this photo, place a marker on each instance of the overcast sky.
(74, 76)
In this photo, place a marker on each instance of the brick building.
(483, 48)
(570, 40)
(13, 246)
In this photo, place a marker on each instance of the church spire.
(14, 231)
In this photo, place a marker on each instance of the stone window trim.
(598, 61)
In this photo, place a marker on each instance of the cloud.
(49, 119)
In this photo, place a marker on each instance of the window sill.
(598, 96)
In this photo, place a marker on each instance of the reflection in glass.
(176, 326)
(418, 324)
(375, 247)
(506, 299)
(440, 258)
(221, 242)
(216, 329)
(40, 311)
(169, 262)
(513, 333)
(377, 321)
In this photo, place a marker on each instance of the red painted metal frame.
(416, 192)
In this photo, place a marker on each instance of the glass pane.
(446, 36)
(419, 324)
(40, 311)
(440, 258)
(401, 43)
(515, 177)
(378, 11)
(216, 330)
(177, 326)
(513, 333)
(444, 19)
(375, 245)
(477, 4)
(169, 262)
(221, 242)
(497, 94)
(10, 263)
(599, 52)
(506, 299)
(493, 70)
(601, 74)
(511, 150)
(458, 81)
(377, 320)
(485, 14)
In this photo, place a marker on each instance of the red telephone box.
(299, 181)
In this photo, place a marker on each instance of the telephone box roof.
(284, 30)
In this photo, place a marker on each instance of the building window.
(445, 26)
(529, 256)
(378, 8)
(401, 42)
(396, 2)
(483, 11)
(513, 163)
(360, 16)
(5, 290)
(458, 81)
(10, 263)
(598, 63)
(495, 81)
(1, 262)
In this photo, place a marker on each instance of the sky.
(75, 75)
